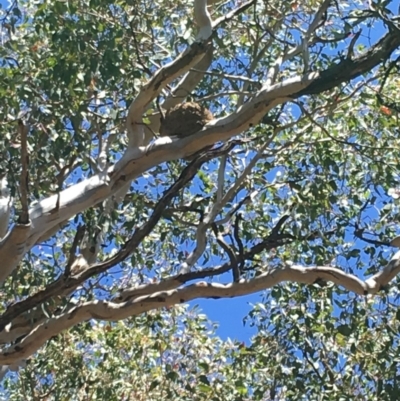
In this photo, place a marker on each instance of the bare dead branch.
(228, 77)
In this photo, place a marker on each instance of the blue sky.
(229, 313)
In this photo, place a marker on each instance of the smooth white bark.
(112, 311)
(5, 207)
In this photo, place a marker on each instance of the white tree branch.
(59, 208)
(184, 88)
(166, 74)
(203, 19)
(6, 203)
(13, 249)
(111, 311)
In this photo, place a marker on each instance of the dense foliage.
(306, 191)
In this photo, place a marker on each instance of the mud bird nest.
(185, 119)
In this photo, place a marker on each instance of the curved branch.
(166, 74)
(184, 88)
(6, 203)
(189, 81)
(110, 311)
(66, 284)
(12, 249)
(61, 207)
(348, 68)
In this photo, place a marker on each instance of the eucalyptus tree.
(295, 179)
